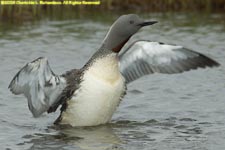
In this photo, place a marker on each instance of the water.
(182, 111)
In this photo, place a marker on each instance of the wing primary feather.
(146, 57)
(37, 82)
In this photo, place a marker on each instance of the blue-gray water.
(182, 111)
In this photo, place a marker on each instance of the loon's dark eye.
(131, 22)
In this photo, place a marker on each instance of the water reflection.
(88, 138)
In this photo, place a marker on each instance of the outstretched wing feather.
(39, 84)
(145, 57)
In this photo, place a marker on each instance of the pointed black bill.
(147, 23)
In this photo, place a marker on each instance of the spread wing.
(39, 84)
(145, 57)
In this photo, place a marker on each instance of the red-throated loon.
(89, 96)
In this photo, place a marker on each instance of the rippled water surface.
(182, 111)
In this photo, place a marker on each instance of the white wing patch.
(145, 57)
(39, 84)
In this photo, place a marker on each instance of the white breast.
(98, 96)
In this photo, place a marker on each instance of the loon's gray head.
(121, 31)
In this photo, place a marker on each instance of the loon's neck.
(109, 46)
